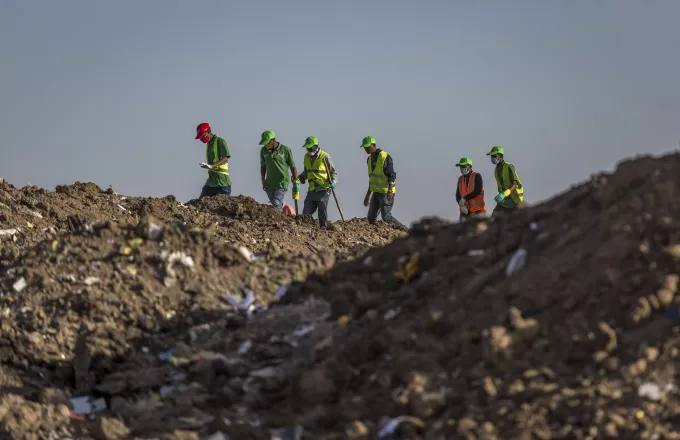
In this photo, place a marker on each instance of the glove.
(205, 165)
(464, 209)
(302, 181)
(332, 185)
(461, 203)
(296, 186)
(501, 196)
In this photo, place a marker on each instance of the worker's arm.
(291, 163)
(513, 177)
(331, 171)
(457, 194)
(263, 168)
(388, 169)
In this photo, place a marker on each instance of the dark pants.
(209, 191)
(501, 210)
(317, 200)
(471, 215)
(380, 203)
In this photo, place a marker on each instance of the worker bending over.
(469, 191)
(217, 158)
(319, 170)
(381, 182)
(510, 190)
(275, 159)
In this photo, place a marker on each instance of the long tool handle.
(328, 175)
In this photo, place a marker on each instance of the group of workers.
(278, 171)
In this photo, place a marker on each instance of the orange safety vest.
(473, 205)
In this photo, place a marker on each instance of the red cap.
(201, 129)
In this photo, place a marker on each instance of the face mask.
(494, 160)
(205, 138)
(464, 171)
(313, 151)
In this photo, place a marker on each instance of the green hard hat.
(367, 141)
(497, 149)
(267, 136)
(464, 161)
(310, 142)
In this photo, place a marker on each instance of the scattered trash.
(9, 231)
(219, 435)
(517, 262)
(392, 313)
(653, 392)
(122, 207)
(165, 390)
(145, 349)
(155, 231)
(84, 405)
(19, 285)
(166, 355)
(281, 291)
(476, 252)
(391, 426)
(246, 253)
(289, 433)
(245, 347)
(244, 305)
(91, 280)
(303, 331)
(533, 226)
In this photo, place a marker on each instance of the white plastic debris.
(19, 285)
(219, 435)
(281, 291)
(533, 226)
(174, 257)
(392, 313)
(85, 405)
(245, 347)
(391, 426)
(246, 253)
(653, 392)
(517, 261)
(9, 231)
(303, 331)
(91, 280)
(155, 231)
(290, 433)
(245, 305)
(476, 252)
(35, 214)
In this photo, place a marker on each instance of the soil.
(129, 305)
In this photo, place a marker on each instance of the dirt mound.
(582, 342)
(559, 321)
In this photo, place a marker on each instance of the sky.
(111, 92)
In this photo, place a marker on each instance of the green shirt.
(277, 163)
(215, 179)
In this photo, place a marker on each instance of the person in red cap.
(217, 158)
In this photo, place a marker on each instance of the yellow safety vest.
(222, 169)
(504, 182)
(317, 174)
(377, 180)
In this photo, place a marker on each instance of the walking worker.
(217, 157)
(381, 183)
(510, 190)
(317, 168)
(469, 191)
(275, 160)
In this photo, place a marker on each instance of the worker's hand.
(205, 165)
(464, 209)
(332, 185)
(390, 196)
(499, 198)
(461, 203)
(302, 181)
(296, 186)
(264, 185)
(367, 199)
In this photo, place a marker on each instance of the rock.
(356, 430)
(108, 428)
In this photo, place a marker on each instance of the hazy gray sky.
(111, 92)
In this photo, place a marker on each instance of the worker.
(469, 191)
(510, 190)
(217, 157)
(317, 166)
(381, 183)
(275, 160)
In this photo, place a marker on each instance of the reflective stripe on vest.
(475, 204)
(517, 194)
(222, 169)
(316, 171)
(377, 180)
